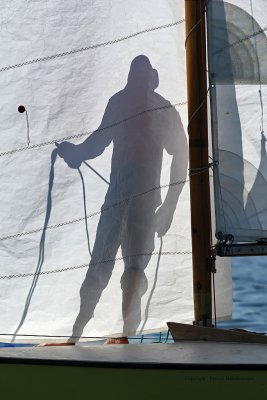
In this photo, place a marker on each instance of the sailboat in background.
(64, 92)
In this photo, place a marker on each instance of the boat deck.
(143, 371)
(183, 355)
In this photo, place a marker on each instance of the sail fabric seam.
(79, 135)
(259, 71)
(165, 253)
(17, 235)
(92, 47)
(242, 40)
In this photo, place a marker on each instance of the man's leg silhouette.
(137, 248)
(100, 269)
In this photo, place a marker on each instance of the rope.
(198, 22)
(97, 173)
(79, 135)
(57, 270)
(167, 336)
(193, 28)
(41, 246)
(200, 170)
(92, 47)
(197, 110)
(28, 128)
(85, 213)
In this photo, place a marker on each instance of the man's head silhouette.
(142, 74)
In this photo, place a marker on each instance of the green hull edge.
(26, 381)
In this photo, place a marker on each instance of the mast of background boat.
(198, 159)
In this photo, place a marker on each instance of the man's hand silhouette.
(70, 154)
(164, 217)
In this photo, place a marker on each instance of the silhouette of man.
(141, 124)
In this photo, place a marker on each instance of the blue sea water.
(249, 276)
(249, 279)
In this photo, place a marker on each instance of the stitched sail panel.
(238, 72)
(109, 79)
(94, 205)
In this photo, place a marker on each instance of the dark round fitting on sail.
(21, 109)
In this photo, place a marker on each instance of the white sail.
(238, 71)
(93, 169)
(68, 64)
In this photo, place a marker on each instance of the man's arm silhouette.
(92, 147)
(176, 145)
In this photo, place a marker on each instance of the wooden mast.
(198, 159)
